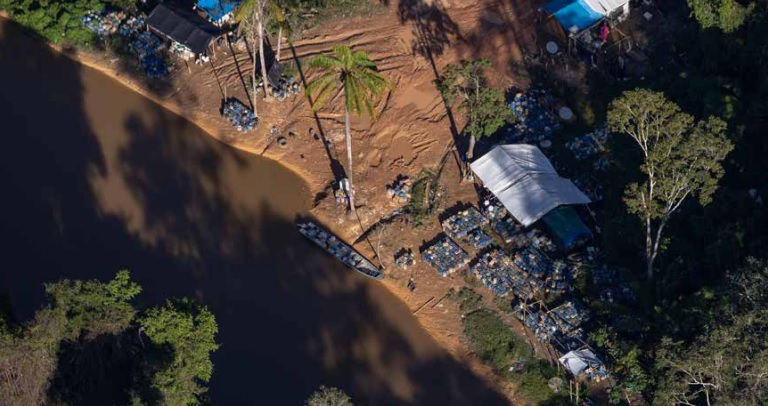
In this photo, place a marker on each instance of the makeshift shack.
(183, 28)
(525, 182)
(584, 361)
(218, 11)
(578, 15)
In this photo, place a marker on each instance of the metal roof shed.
(525, 182)
(184, 27)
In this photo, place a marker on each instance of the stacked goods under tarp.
(445, 256)
(241, 117)
(565, 224)
(525, 182)
(462, 223)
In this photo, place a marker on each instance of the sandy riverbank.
(411, 133)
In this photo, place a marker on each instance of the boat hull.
(339, 249)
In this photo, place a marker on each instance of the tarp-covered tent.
(568, 228)
(578, 361)
(525, 182)
(576, 15)
(217, 9)
(184, 27)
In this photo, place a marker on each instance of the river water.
(97, 178)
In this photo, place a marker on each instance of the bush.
(422, 201)
(493, 340)
(469, 301)
(533, 383)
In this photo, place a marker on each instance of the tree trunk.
(348, 139)
(655, 247)
(649, 255)
(280, 41)
(471, 148)
(253, 76)
(260, 30)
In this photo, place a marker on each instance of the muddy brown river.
(97, 178)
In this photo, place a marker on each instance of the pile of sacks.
(589, 144)
(113, 22)
(400, 190)
(241, 117)
(149, 50)
(534, 122)
(445, 256)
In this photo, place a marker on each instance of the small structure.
(584, 361)
(578, 15)
(218, 11)
(184, 28)
(564, 223)
(525, 182)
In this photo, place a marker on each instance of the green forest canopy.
(90, 344)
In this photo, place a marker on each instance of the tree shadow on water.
(99, 179)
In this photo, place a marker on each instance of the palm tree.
(253, 16)
(354, 75)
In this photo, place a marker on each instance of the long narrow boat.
(338, 249)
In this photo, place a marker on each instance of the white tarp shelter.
(578, 361)
(525, 182)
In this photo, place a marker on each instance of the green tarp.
(568, 228)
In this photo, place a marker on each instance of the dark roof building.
(184, 27)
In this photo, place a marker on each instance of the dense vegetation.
(90, 345)
(510, 356)
(683, 315)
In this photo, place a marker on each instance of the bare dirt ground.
(411, 44)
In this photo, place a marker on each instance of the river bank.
(102, 179)
(412, 133)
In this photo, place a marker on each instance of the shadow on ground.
(98, 178)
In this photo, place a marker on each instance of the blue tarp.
(216, 9)
(572, 13)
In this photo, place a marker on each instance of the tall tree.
(253, 16)
(726, 15)
(681, 159)
(356, 77)
(58, 21)
(485, 107)
(727, 362)
(28, 353)
(187, 330)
